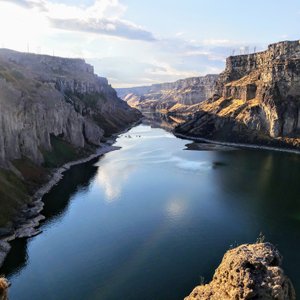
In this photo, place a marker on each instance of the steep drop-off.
(250, 271)
(52, 110)
(163, 97)
(256, 100)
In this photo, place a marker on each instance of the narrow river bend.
(149, 220)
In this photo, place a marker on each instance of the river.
(149, 220)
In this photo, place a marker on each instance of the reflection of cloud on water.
(112, 177)
(187, 164)
(176, 207)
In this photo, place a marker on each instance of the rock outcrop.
(256, 99)
(166, 95)
(248, 272)
(3, 289)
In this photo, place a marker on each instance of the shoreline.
(33, 217)
(236, 145)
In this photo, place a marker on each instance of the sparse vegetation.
(11, 198)
(261, 238)
(61, 153)
(201, 280)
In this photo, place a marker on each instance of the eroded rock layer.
(256, 99)
(42, 96)
(248, 272)
(166, 95)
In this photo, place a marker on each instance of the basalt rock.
(42, 96)
(248, 272)
(164, 96)
(256, 99)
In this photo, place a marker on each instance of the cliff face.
(256, 99)
(3, 289)
(44, 96)
(248, 272)
(52, 110)
(165, 96)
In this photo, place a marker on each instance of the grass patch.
(61, 153)
(33, 174)
(13, 194)
(89, 100)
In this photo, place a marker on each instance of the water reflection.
(171, 216)
(57, 202)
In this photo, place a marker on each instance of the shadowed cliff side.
(248, 272)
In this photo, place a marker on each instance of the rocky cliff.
(3, 289)
(248, 272)
(165, 96)
(52, 110)
(256, 99)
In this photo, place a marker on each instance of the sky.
(141, 42)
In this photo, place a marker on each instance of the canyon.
(53, 110)
(167, 96)
(254, 101)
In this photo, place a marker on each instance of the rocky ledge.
(251, 271)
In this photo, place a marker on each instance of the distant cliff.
(250, 271)
(256, 100)
(166, 95)
(52, 110)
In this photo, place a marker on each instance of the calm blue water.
(147, 221)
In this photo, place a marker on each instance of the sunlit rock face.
(42, 96)
(256, 99)
(166, 95)
(248, 272)
(3, 288)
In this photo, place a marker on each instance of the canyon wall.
(166, 95)
(256, 99)
(41, 96)
(52, 110)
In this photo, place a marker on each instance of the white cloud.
(104, 17)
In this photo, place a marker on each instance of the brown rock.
(3, 289)
(248, 272)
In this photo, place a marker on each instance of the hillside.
(256, 100)
(162, 97)
(53, 110)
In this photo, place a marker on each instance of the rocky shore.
(31, 217)
(250, 271)
(236, 145)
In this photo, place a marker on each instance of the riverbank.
(237, 145)
(27, 225)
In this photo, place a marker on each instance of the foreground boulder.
(3, 289)
(248, 272)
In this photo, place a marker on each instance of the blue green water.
(149, 220)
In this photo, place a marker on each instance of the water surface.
(149, 220)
